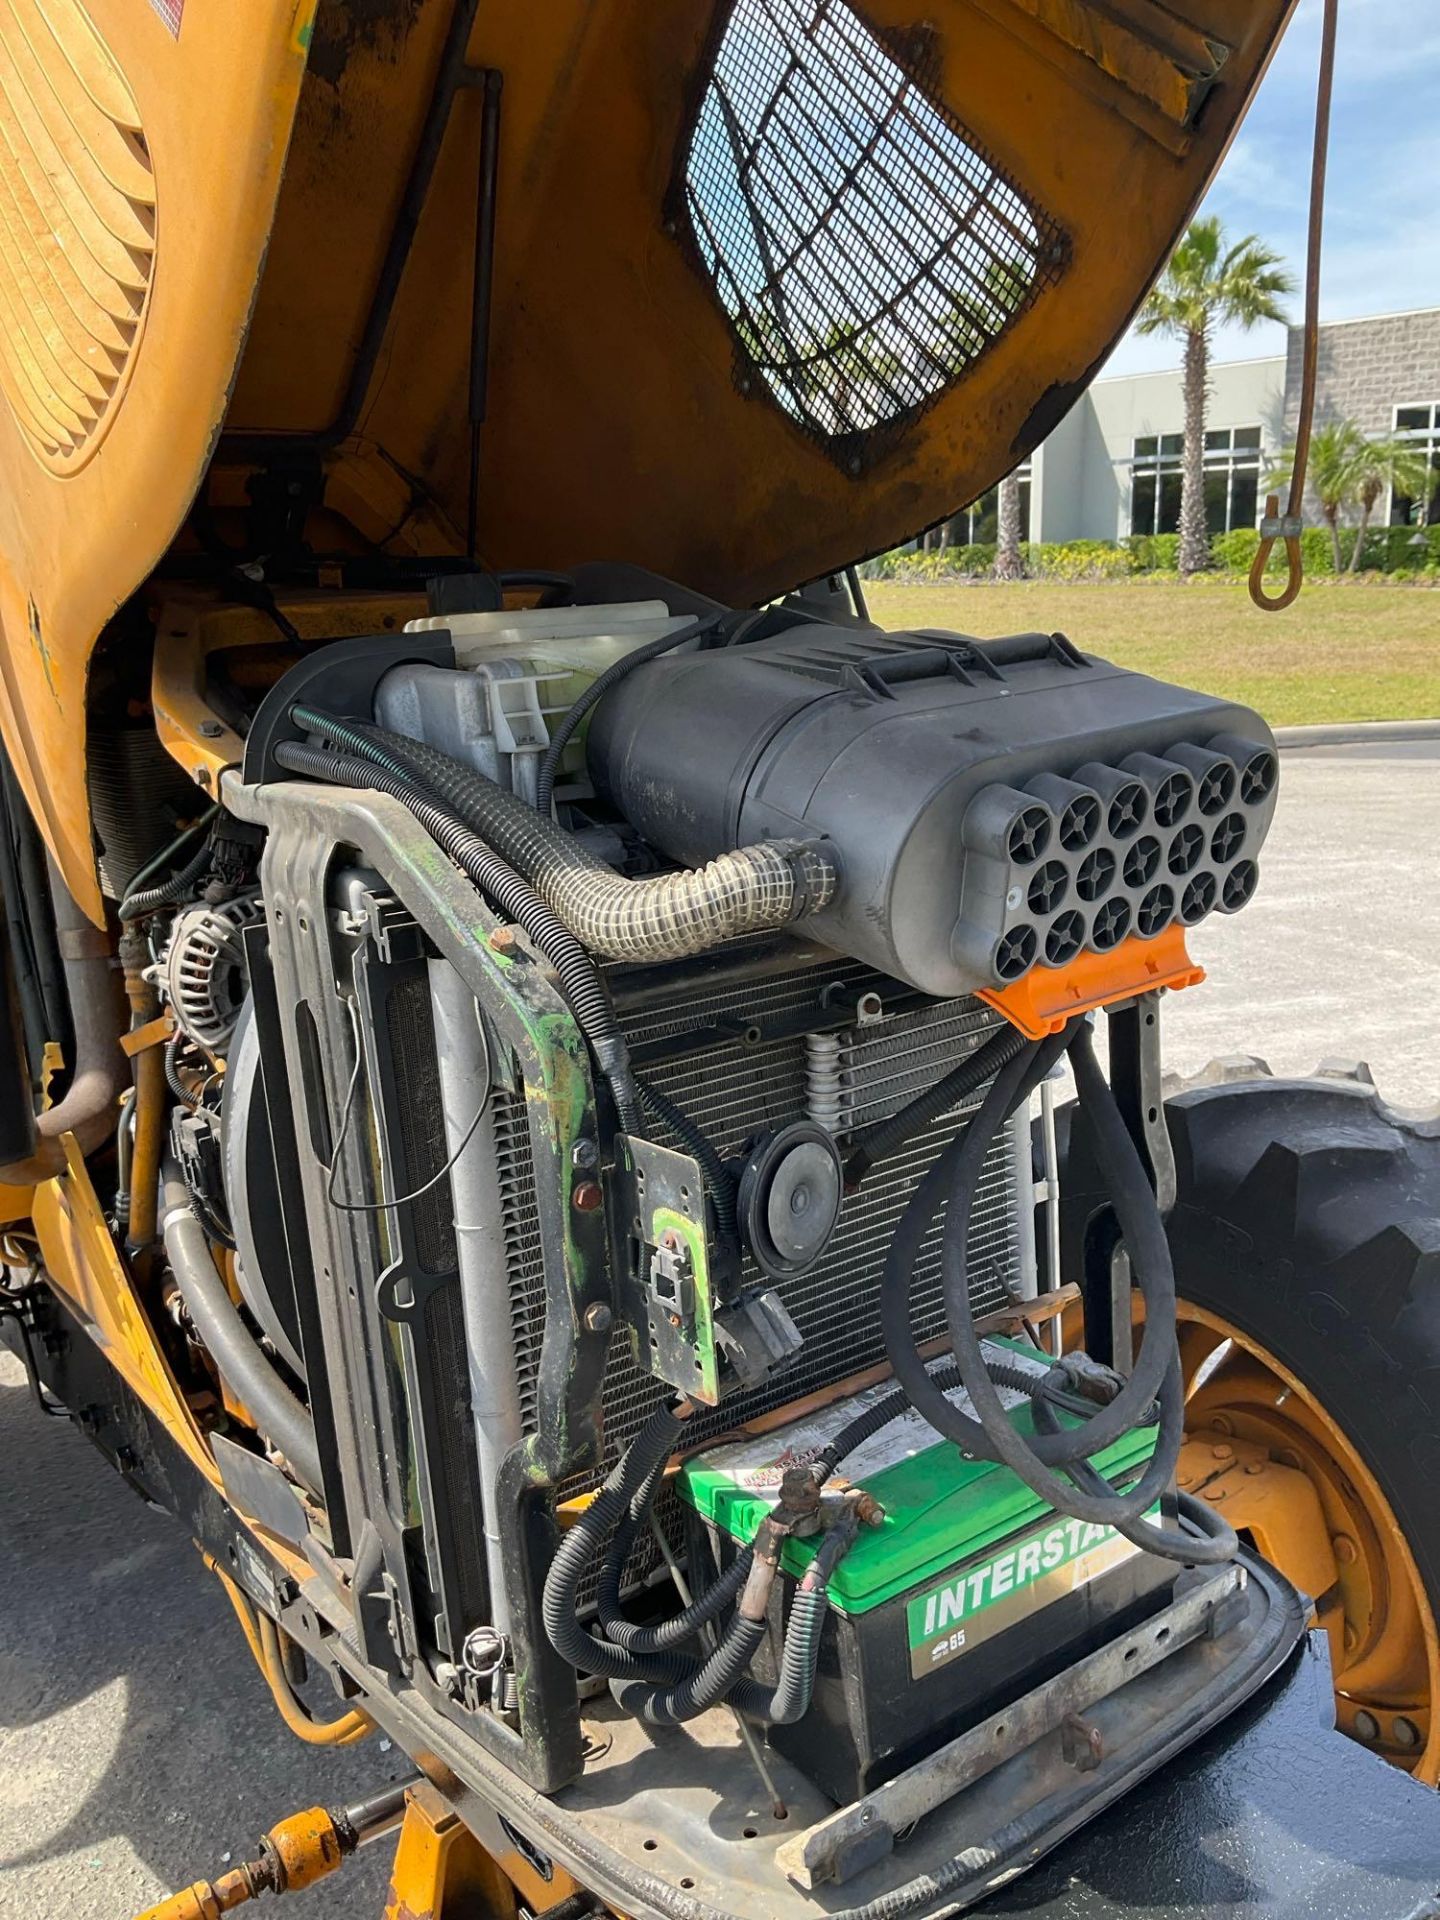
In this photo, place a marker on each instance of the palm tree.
(1008, 282)
(1394, 463)
(1009, 561)
(1339, 459)
(1209, 283)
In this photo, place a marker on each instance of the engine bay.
(602, 1044)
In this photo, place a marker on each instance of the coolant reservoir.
(516, 671)
(590, 638)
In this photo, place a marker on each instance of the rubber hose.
(665, 917)
(136, 905)
(888, 1136)
(653, 1444)
(1216, 1541)
(569, 724)
(580, 981)
(278, 1414)
(677, 1628)
(1144, 1235)
(719, 1182)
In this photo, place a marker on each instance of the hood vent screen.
(865, 250)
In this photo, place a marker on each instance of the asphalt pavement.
(138, 1746)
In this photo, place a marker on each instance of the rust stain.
(344, 28)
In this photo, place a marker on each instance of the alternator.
(202, 972)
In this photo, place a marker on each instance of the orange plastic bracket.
(1047, 997)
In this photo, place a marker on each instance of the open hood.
(775, 283)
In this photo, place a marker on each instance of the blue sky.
(1382, 236)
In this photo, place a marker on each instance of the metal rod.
(482, 286)
(747, 1732)
(1050, 1155)
(452, 77)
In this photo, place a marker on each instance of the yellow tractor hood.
(774, 283)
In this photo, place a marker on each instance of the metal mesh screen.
(866, 251)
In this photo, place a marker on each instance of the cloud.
(1382, 246)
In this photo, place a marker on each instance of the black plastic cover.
(992, 806)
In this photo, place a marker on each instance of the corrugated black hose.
(580, 980)
(720, 1183)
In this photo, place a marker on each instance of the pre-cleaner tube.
(579, 979)
(751, 890)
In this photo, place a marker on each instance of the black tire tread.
(1308, 1216)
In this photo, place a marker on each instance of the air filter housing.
(992, 806)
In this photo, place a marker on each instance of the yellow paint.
(1384, 1643)
(611, 363)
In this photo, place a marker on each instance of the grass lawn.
(1342, 652)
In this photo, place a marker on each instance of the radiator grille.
(735, 1090)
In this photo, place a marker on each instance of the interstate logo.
(1057, 1559)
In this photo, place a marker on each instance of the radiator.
(736, 1090)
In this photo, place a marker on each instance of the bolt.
(1223, 1452)
(598, 1317)
(1255, 1466)
(503, 940)
(1222, 1423)
(587, 1197)
(1406, 1733)
(1346, 1551)
(210, 729)
(1367, 1727)
(583, 1155)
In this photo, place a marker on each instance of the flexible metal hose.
(752, 890)
(580, 982)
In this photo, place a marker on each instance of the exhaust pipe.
(36, 1152)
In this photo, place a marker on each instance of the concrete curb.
(1354, 733)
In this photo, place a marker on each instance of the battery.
(969, 1592)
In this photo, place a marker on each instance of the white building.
(1112, 466)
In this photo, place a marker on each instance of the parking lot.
(138, 1747)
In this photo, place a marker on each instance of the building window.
(980, 522)
(1421, 427)
(1232, 480)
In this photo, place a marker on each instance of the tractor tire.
(1307, 1215)
(1307, 1219)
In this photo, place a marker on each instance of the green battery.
(969, 1590)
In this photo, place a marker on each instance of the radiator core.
(738, 1089)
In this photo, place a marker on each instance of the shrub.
(1235, 551)
(1078, 560)
(1153, 552)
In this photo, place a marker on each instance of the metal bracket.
(1071, 1714)
(667, 1294)
(1136, 1076)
